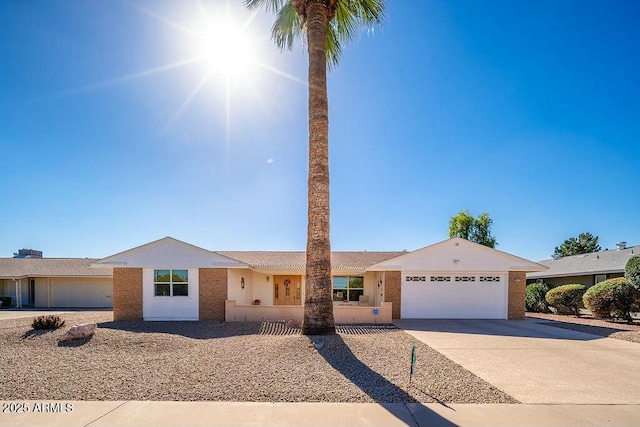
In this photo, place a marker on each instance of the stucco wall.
(127, 293)
(346, 314)
(235, 291)
(587, 280)
(392, 291)
(517, 286)
(213, 293)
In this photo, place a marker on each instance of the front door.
(287, 290)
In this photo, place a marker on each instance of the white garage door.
(81, 293)
(454, 296)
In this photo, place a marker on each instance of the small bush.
(47, 322)
(535, 297)
(5, 301)
(632, 271)
(568, 296)
(612, 298)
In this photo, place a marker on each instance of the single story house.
(173, 280)
(586, 269)
(55, 282)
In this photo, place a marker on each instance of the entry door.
(287, 290)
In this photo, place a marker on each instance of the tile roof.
(612, 261)
(296, 260)
(49, 267)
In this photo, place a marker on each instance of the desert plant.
(47, 322)
(568, 296)
(535, 297)
(632, 271)
(613, 298)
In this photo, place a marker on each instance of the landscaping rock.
(79, 331)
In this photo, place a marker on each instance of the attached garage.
(458, 295)
(456, 279)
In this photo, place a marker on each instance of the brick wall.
(392, 291)
(517, 287)
(127, 293)
(212, 293)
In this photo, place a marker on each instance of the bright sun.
(225, 48)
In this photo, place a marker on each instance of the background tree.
(476, 230)
(586, 243)
(632, 271)
(326, 25)
(461, 225)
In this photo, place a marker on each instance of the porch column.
(18, 292)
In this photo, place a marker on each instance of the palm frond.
(333, 46)
(286, 28)
(351, 17)
(271, 6)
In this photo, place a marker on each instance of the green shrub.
(612, 298)
(568, 296)
(632, 271)
(5, 301)
(535, 297)
(47, 322)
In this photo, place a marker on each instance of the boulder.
(79, 331)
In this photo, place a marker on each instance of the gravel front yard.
(189, 361)
(591, 325)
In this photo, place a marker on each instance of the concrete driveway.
(537, 363)
(20, 313)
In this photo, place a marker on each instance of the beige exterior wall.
(127, 293)
(345, 314)
(588, 279)
(517, 286)
(392, 291)
(212, 293)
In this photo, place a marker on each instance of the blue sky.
(112, 135)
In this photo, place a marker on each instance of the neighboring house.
(173, 280)
(586, 269)
(55, 282)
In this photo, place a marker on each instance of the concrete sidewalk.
(171, 414)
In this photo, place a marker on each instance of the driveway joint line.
(416, 423)
(104, 415)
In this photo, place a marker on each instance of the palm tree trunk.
(318, 305)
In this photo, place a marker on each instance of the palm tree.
(328, 24)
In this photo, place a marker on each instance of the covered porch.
(259, 294)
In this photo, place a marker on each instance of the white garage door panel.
(451, 300)
(81, 294)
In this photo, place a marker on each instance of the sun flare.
(225, 48)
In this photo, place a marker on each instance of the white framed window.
(348, 288)
(490, 279)
(440, 278)
(465, 278)
(600, 278)
(171, 283)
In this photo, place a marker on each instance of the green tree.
(473, 229)
(586, 243)
(632, 271)
(327, 25)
